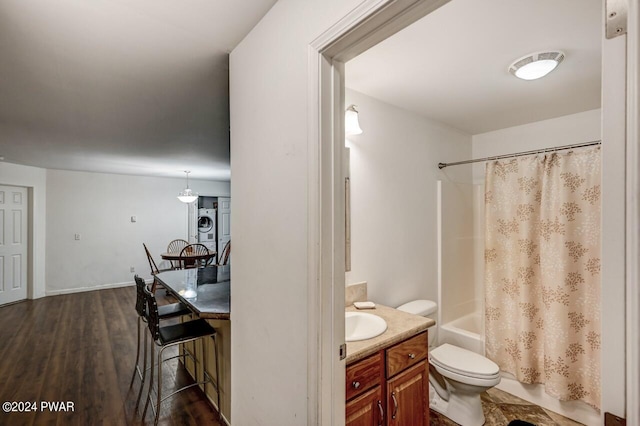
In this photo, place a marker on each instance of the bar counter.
(207, 292)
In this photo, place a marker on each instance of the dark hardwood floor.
(80, 348)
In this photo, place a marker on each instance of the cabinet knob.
(412, 356)
(355, 385)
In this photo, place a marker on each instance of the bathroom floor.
(501, 407)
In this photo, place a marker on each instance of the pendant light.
(351, 124)
(187, 195)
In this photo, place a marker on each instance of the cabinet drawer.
(407, 353)
(363, 375)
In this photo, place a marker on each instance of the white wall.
(457, 244)
(35, 180)
(394, 202)
(268, 76)
(570, 129)
(269, 160)
(99, 207)
(566, 130)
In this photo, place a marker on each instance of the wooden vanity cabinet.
(390, 387)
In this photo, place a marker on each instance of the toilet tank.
(424, 308)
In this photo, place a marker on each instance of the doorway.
(417, 111)
(209, 223)
(363, 28)
(13, 244)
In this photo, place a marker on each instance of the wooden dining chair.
(153, 267)
(195, 250)
(152, 263)
(176, 246)
(226, 252)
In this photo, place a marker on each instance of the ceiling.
(141, 86)
(120, 86)
(451, 66)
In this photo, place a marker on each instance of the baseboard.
(91, 288)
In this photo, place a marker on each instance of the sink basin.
(362, 326)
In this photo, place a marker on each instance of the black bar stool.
(164, 312)
(172, 335)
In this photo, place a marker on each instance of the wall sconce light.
(351, 124)
(187, 195)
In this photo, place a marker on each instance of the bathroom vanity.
(387, 377)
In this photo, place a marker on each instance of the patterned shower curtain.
(542, 271)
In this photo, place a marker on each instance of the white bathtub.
(465, 332)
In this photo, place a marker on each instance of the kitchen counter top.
(206, 291)
(400, 326)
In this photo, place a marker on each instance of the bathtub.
(466, 332)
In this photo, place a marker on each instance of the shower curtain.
(542, 271)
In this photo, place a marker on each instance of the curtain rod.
(518, 154)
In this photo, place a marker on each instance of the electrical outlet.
(132, 269)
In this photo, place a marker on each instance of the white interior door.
(192, 222)
(13, 244)
(224, 224)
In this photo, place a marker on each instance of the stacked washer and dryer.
(207, 228)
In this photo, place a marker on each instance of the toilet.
(457, 376)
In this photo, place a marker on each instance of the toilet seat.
(463, 365)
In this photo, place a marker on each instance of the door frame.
(26, 213)
(633, 214)
(371, 22)
(366, 25)
(35, 180)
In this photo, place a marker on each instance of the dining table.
(206, 291)
(189, 258)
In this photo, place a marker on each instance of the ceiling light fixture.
(351, 124)
(187, 195)
(536, 65)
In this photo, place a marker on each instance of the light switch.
(133, 219)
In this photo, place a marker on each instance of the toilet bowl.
(457, 376)
(466, 375)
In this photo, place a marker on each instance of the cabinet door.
(366, 410)
(408, 397)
